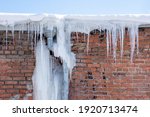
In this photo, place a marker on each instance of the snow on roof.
(14, 18)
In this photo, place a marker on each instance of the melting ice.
(48, 75)
(51, 75)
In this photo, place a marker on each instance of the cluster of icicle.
(115, 31)
(51, 80)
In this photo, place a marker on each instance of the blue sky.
(75, 6)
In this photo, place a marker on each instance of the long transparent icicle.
(132, 40)
(87, 45)
(13, 28)
(114, 41)
(110, 41)
(65, 82)
(28, 28)
(35, 33)
(121, 36)
(107, 42)
(22, 28)
(19, 33)
(6, 36)
(41, 38)
(122, 41)
(137, 39)
(32, 25)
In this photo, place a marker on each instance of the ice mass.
(52, 72)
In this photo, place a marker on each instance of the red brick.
(11, 82)
(7, 52)
(2, 91)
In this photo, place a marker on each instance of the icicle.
(28, 28)
(41, 38)
(38, 30)
(35, 33)
(107, 42)
(22, 28)
(110, 40)
(114, 41)
(66, 82)
(41, 32)
(6, 41)
(31, 36)
(19, 34)
(122, 41)
(50, 37)
(120, 38)
(13, 33)
(132, 40)
(137, 39)
(87, 46)
(133, 33)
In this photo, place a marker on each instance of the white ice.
(42, 76)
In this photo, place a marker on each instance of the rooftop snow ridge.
(14, 18)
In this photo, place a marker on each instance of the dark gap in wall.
(94, 97)
(89, 75)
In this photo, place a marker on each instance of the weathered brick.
(11, 82)
(118, 79)
(7, 52)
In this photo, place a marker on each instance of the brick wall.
(16, 66)
(95, 76)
